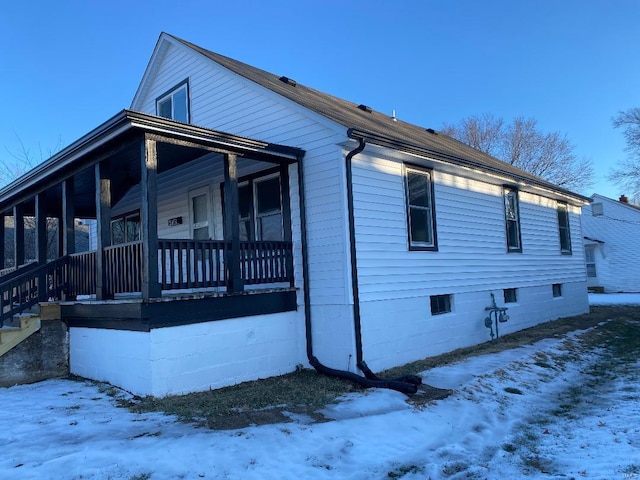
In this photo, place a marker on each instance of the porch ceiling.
(118, 144)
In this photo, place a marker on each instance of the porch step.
(12, 336)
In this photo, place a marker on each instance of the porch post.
(67, 225)
(2, 242)
(41, 245)
(286, 217)
(18, 235)
(232, 225)
(149, 220)
(103, 217)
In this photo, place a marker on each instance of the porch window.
(125, 228)
(512, 219)
(268, 209)
(174, 104)
(564, 229)
(420, 209)
(260, 205)
(244, 202)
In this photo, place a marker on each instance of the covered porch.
(143, 272)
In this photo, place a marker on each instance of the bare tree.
(23, 161)
(520, 143)
(627, 174)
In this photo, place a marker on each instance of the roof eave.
(396, 144)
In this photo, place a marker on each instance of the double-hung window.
(512, 220)
(564, 229)
(174, 104)
(420, 209)
(260, 209)
(125, 228)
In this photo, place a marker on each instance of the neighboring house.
(313, 231)
(611, 230)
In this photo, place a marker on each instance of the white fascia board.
(152, 68)
(474, 173)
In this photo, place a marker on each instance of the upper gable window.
(174, 104)
(420, 209)
(512, 219)
(564, 229)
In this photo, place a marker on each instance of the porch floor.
(174, 308)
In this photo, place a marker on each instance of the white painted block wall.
(190, 358)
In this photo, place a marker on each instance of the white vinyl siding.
(224, 101)
(471, 237)
(614, 234)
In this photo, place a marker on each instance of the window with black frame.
(174, 104)
(564, 229)
(420, 209)
(512, 220)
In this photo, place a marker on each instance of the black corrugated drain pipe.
(405, 385)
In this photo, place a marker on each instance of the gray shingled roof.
(382, 127)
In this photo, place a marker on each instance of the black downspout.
(412, 380)
(400, 386)
(355, 290)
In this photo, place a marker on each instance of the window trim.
(170, 93)
(506, 190)
(567, 227)
(420, 246)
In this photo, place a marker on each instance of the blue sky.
(67, 66)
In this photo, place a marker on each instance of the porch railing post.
(67, 228)
(286, 220)
(103, 217)
(3, 242)
(41, 245)
(231, 225)
(18, 235)
(149, 220)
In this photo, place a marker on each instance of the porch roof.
(118, 142)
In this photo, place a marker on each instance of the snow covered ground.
(532, 411)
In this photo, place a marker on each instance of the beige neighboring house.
(611, 230)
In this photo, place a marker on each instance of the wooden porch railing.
(190, 263)
(21, 292)
(200, 263)
(182, 264)
(82, 274)
(265, 262)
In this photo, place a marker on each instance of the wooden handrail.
(21, 292)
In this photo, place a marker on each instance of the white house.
(356, 242)
(611, 230)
